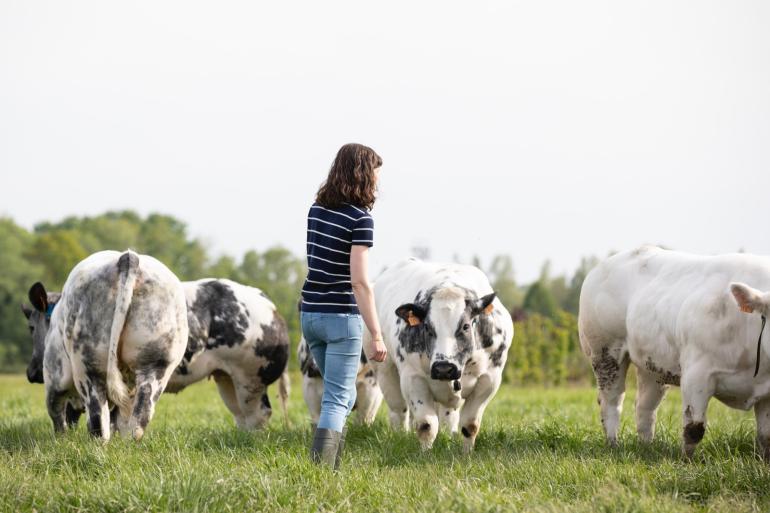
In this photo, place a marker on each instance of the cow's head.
(38, 320)
(443, 325)
(751, 300)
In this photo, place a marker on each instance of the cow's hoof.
(645, 438)
(426, 445)
(688, 451)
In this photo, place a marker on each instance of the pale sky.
(540, 129)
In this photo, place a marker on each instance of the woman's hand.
(379, 351)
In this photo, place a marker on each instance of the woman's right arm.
(364, 294)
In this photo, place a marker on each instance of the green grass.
(539, 450)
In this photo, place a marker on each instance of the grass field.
(539, 450)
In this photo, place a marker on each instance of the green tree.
(572, 299)
(503, 282)
(19, 272)
(539, 300)
(58, 252)
(224, 267)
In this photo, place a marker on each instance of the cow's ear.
(411, 313)
(484, 305)
(749, 299)
(38, 297)
(26, 310)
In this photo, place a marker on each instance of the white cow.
(118, 316)
(448, 338)
(686, 320)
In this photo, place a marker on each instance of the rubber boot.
(340, 448)
(325, 445)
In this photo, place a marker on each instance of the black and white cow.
(448, 338)
(368, 393)
(238, 337)
(117, 315)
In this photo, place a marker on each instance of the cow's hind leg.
(148, 390)
(227, 393)
(762, 414)
(93, 392)
(368, 396)
(697, 389)
(610, 367)
(390, 383)
(648, 397)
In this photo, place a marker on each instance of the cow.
(368, 393)
(237, 337)
(113, 336)
(448, 337)
(683, 320)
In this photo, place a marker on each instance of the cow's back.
(651, 296)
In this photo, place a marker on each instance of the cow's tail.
(284, 388)
(117, 390)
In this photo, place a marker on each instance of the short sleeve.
(363, 232)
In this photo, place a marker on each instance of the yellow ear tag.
(746, 309)
(490, 307)
(413, 320)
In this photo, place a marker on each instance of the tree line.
(50, 251)
(545, 350)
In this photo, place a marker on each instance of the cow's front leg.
(313, 391)
(450, 419)
(227, 393)
(697, 389)
(762, 414)
(475, 404)
(56, 403)
(253, 403)
(57, 375)
(423, 409)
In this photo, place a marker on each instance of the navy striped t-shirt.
(330, 234)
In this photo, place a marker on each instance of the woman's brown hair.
(351, 178)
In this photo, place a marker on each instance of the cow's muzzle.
(34, 375)
(445, 371)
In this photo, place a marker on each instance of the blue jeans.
(335, 341)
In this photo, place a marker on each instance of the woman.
(337, 292)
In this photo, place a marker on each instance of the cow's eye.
(466, 327)
(31, 329)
